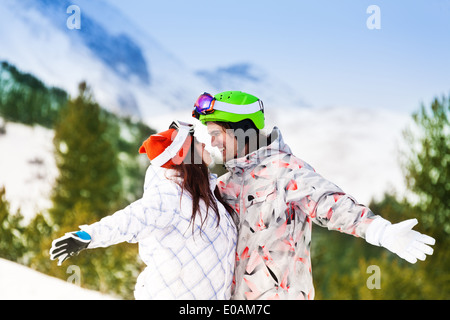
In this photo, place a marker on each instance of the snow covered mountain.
(128, 70)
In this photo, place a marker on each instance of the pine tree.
(426, 163)
(87, 162)
(427, 167)
(89, 187)
(11, 244)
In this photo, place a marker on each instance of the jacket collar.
(250, 161)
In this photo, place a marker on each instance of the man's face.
(222, 139)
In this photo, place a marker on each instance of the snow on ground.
(22, 283)
(27, 167)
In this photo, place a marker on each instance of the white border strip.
(237, 108)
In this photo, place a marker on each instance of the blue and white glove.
(69, 245)
(400, 239)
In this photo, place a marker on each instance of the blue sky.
(323, 48)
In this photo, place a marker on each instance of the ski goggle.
(204, 105)
(207, 104)
(177, 124)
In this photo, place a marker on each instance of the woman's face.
(200, 148)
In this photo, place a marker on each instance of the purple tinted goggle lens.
(205, 103)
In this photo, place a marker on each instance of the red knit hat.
(168, 148)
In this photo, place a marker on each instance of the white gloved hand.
(400, 239)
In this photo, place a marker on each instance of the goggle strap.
(177, 124)
(172, 150)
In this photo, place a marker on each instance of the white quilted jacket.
(180, 265)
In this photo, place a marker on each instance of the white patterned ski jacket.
(180, 265)
(277, 197)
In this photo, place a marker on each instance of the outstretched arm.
(328, 206)
(133, 223)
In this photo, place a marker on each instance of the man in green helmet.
(277, 197)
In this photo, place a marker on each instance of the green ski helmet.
(229, 106)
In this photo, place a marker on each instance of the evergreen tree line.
(26, 99)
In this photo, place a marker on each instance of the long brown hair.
(194, 174)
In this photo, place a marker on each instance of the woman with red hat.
(186, 232)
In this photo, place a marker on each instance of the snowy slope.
(18, 282)
(27, 167)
